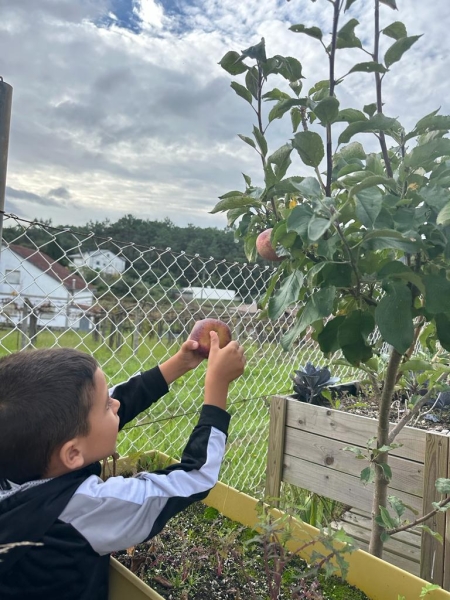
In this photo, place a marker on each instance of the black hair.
(45, 399)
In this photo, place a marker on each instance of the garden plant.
(361, 239)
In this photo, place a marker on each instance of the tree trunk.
(381, 482)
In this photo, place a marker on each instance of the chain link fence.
(131, 307)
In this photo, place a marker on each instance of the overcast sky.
(119, 106)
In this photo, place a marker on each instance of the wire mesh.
(131, 307)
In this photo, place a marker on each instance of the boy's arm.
(120, 513)
(141, 391)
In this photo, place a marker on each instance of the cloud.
(120, 106)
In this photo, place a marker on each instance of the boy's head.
(55, 413)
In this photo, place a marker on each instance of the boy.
(57, 420)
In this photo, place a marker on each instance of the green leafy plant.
(273, 535)
(361, 237)
(310, 382)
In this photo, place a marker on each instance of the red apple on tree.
(200, 333)
(264, 246)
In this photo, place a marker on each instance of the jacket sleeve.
(122, 512)
(138, 393)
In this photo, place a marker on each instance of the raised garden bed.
(378, 579)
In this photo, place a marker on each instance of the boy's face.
(103, 421)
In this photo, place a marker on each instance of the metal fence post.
(5, 120)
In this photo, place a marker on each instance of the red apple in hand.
(200, 333)
(264, 246)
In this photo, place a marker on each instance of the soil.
(202, 555)
(431, 418)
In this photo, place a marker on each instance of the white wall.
(40, 289)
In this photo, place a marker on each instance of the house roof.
(45, 263)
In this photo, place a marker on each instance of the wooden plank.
(275, 448)
(412, 537)
(410, 565)
(436, 465)
(351, 429)
(407, 475)
(344, 488)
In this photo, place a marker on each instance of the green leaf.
(368, 206)
(395, 30)
(314, 32)
(348, 4)
(328, 337)
(443, 485)
(232, 63)
(309, 188)
(283, 106)
(443, 330)
(250, 247)
(423, 155)
(370, 109)
(368, 67)
(353, 334)
(353, 150)
(393, 317)
(390, 3)
(276, 95)
(282, 159)
(338, 274)
(367, 475)
(241, 91)
(414, 365)
(346, 37)
(437, 294)
(319, 305)
(378, 122)
(387, 471)
(350, 115)
(234, 214)
(296, 118)
(389, 238)
(270, 288)
(398, 48)
(247, 140)
(398, 506)
(234, 202)
(443, 217)
(327, 110)
(252, 82)
(385, 519)
(260, 140)
(299, 219)
(372, 181)
(317, 227)
(286, 295)
(309, 145)
(286, 186)
(435, 196)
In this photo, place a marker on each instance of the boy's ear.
(70, 454)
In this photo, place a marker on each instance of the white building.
(32, 280)
(207, 293)
(100, 260)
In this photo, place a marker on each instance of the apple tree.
(362, 238)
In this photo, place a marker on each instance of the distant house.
(32, 280)
(207, 293)
(103, 261)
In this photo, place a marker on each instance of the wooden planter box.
(380, 580)
(306, 449)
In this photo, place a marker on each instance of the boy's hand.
(224, 364)
(188, 356)
(180, 363)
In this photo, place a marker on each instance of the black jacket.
(73, 522)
